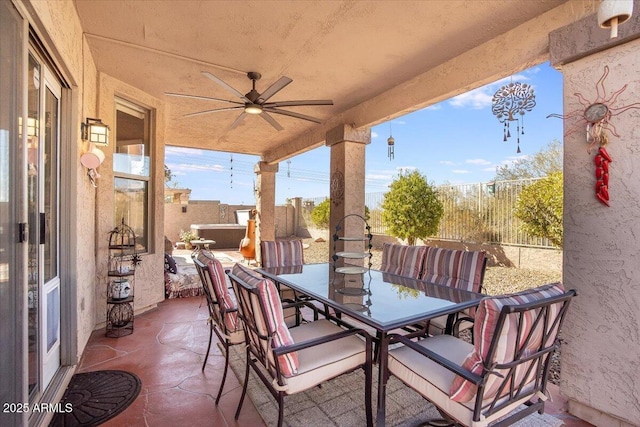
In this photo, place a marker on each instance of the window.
(131, 170)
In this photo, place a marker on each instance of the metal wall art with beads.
(510, 103)
(596, 117)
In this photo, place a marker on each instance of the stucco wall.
(601, 353)
(149, 278)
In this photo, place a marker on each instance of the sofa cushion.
(170, 264)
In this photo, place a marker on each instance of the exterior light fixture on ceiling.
(613, 13)
(253, 109)
(94, 131)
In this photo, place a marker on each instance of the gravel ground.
(497, 281)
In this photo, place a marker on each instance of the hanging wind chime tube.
(231, 161)
(390, 144)
(509, 104)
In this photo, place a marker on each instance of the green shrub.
(320, 214)
(539, 207)
(411, 208)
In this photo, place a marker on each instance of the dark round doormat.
(95, 397)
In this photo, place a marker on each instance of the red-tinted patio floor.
(166, 351)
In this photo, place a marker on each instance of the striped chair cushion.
(222, 294)
(455, 268)
(246, 274)
(403, 260)
(487, 315)
(282, 253)
(270, 299)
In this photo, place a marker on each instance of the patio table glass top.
(382, 300)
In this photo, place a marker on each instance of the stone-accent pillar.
(265, 203)
(347, 182)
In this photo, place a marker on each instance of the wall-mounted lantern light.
(94, 131)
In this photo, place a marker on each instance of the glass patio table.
(383, 301)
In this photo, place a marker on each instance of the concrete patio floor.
(166, 351)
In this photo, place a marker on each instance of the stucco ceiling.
(353, 52)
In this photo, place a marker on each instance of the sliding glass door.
(43, 294)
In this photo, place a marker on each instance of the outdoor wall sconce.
(614, 12)
(94, 131)
(32, 127)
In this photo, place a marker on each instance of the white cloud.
(460, 171)
(434, 107)
(447, 162)
(374, 135)
(481, 162)
(481, 97)
(476, 99)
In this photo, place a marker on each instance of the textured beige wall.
(601, 353)
(149, 278)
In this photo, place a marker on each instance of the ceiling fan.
(256, 103)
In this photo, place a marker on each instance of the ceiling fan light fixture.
(253, 109)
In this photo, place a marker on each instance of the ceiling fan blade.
(274, 88)
(292, 114)
(298, 103)
(199, 113)
(237, 121)
(271, 120)
(207, 98)
(225, 86)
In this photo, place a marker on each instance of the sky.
(458, 141)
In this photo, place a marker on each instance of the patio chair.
(508, 366)
(223, 311)
(458, 269)
(403, 260)
(283, 253)
(289, 361)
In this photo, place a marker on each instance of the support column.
(347, 182)
(265, 204)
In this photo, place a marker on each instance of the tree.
(168, 176)
(545, 162)
(411, 208)
(320, 214)
(539, 207)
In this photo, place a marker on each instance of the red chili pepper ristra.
(602, 160)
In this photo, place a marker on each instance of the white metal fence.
(473, 213)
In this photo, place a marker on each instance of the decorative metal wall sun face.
(595, 117)
(510, 103)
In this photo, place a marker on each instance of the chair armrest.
(322, 340)
(446, 363)
(287, 303)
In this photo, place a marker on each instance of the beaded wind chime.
(510, 103)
